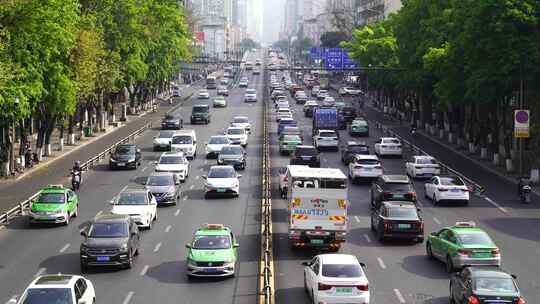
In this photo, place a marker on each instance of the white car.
(139, 204)
(237, 136)
(365, 166)
(58, 288)
(185, 141)
(173, 162)
(242, 121)
(282, 103)
(176, 92)
(214, 145)
(243, 83)
(222, 180)
(447, 189)
(388, 146)
(349, 91)
(220, 102)
(204, 94)
(250, 95)
(322, 94)
(336, 278)
(163, 140)
(422, 166)
(326, 139)
(329, 101)
(283, 113)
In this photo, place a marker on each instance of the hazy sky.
(272, 19)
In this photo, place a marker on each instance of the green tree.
(333, 39)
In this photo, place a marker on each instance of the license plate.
(221, 190)
(343, 289)
(367, 169)
(454, 190)
(404, 226)
(317, 242)
(482, 254)
(211, 270)
(398, 196)
(103, 258)
(306, 157)
(121, 164)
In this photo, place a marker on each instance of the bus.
(211, 81)
(323, 79)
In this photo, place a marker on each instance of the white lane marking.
(66, 246)
(184, 198)
(381, 263)
(144, 168)
(197, 177)
(99, 213)
(357, 219)
(177, 212)
(168, 228)
(419, 203)
(40, 272)
(144, 270)
(202, 169)
(399, 296)
(158, 245)
(13, 299)
(81, 230)
(436, 220)
(128, 297)
(501, 208)
(191, 187)
(367, 238)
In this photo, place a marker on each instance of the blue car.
(286, 122)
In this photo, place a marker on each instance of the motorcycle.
(413, 131)
(525, 190)
(76, 180)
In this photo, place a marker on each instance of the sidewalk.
(15, 190)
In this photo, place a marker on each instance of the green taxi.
(54, 204)
(340, 104)
(359, 127)
(287, 143)
(461, 245)
(212, 253)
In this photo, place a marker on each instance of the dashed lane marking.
(381, 263)
(144, 270)
(99, 213)
(436, 220)
(40, 272)
(12, 300)
(368, 239)
(501, 208)
(399, 296)
(184, 198)
(191, 187)
(177, 212)
(357, 219)
(66, 246)
(158, 245)
(197, 177)
(128, 297)
(168, 228)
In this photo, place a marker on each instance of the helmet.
(77, 163)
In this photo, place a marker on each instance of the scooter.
(75, 180)
(525, 191)
(413, 131)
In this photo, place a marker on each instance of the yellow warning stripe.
(299, 216)
(337, 218)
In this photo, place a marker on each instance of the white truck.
(318, 203)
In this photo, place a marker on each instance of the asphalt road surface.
(158, 275)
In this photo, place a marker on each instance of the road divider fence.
(21, 207)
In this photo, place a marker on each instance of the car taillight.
(386, 193)
(412, 194)
(464, 252)
(324, 286)
(386, 226)
(418, 167)
(473, 300)
(383, 146)
(496, 252)
(358, 167)
(362, 287)
(421, 225)
(465, 190)
(521, 300)
(378, 167)
(442, 189)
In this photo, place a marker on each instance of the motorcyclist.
(77, 168)
(523, 181)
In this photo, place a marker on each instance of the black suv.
(353, 148)
(349, 113)
(397, 220)
(392, 188)
(109, 240)
(172, 121)
(306, 155)
(125, 156)
(200, 113)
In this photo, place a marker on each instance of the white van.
(185, 141)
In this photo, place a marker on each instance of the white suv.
(52, 288)
(365, 166)
(139, 204)
(388, 146)
(326, 139)
(237, 136)
(173, 162)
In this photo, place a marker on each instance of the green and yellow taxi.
(340, 104)
(287, 143)
(212, 253)
(359, 127)
(461, 245)
(54, 204)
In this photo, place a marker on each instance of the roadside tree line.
(64, 60)
(459, 69)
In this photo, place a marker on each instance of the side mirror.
(204, 176)
(363, 265)
(236, 245)
(239, 176)
(306, 263)
(434, 233)
(155, 162)
(83, 232)
(188, 246)
(514, 276)
(138, 150)
(111, 202)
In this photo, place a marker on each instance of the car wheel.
(449, 265)
(66, 222)
(129, 264)
(451, 297)
(150, 224)
(380, 236)
(434, 200)
(305, 284)
(372, 226)
(429, 251)
(76, 211)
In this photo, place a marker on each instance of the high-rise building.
(375, 10)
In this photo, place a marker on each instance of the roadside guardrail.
(19, 209)
(266, 264)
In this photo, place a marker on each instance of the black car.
(125, 156)
(484, 285)
(352, 149)
(109, 240)
(349, 113)
(200, 113)
(306, 155)
(397, 220)
(342, 122)
(392, 188)
(172, 121)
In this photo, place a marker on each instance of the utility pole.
(520, 107)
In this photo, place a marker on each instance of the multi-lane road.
(159, 272)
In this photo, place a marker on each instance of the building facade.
(374, 10)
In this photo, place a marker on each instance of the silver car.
(165, 187)
(232, 155)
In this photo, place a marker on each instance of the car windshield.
(504, 285)
(291, 138)
(402, 212)
(342, 271)
(451, 181)
(426, 161)
(48, 295)
(479, 238)
(287, 122)
(368, 162)
(251, 91)
(391, 141)
(218, 141)
(182, 140)
(203, 92)
(160, 180)
(212, 242)
(166, 134)
(397, 187)
(200, 109)
(125, 150)
(235, 131)
(359, 123)
(241, 120)
(55, 198)
(221, 172)
(131, 199)
(112, 230)
(306, 151)
(219, 98)
(358, 149)
(170, 117)
(231, 150)
(171, 160)
(327, 134)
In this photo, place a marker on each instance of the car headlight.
(131, 160)
(235, 185)
(191, 261)
(229, 261)
(58, 211)
(113, 160)
(124, 247)
(220, 160)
